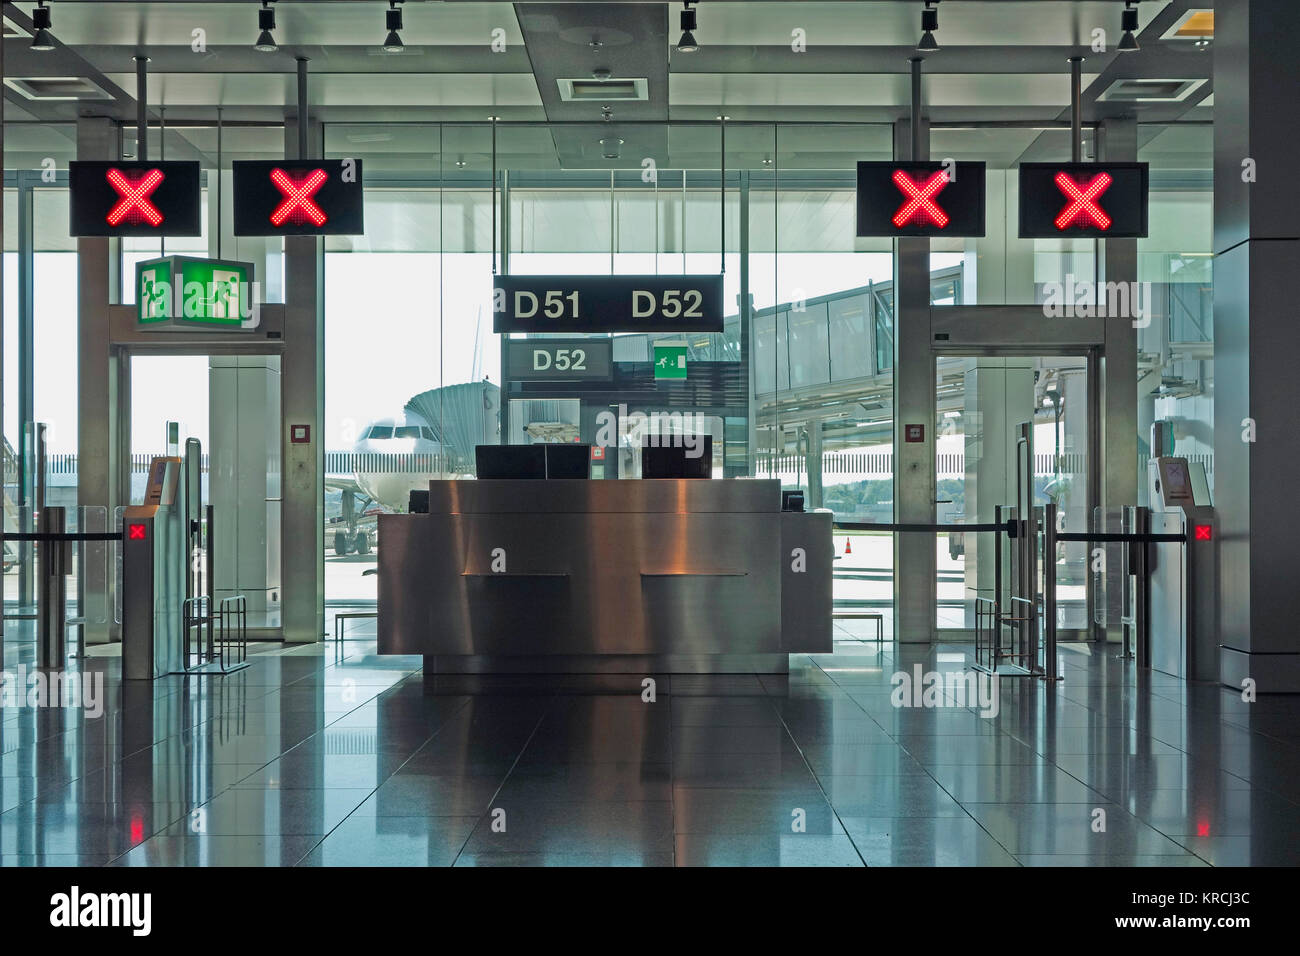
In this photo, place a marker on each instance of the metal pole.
(219, 182)
(997, 573)
(916, 108)
(1076, 109)
(1142, 580)
(52, 598)
(722, 193)
(302, 107)
(1049, 592)
(494, 201)
(141, 117)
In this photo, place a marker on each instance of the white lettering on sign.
(562, 360)
(530, 310)
(674, 304)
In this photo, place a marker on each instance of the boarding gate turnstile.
(169, 623)
(1181, 614)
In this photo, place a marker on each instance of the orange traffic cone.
(848, 548)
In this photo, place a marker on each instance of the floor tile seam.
(811, 772)
(348, 816)
(491, 800)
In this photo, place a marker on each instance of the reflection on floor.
(317, 755)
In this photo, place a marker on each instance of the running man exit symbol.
(670, 361)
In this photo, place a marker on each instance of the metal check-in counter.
(627, 576)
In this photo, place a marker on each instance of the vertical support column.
(302, 402)
(914, 478)
(102, 439)
(1256, 246)
(1117, 403)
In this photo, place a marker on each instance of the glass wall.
(1175, 275)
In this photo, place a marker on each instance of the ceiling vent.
(605, 91)
(1136, 90)
(51, 88)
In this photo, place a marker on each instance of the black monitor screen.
(510, 461)
(568, 461)
(678, 461)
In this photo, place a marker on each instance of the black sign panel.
(320, 197)
(1098, 200)
(920, 199)
(559, 360)
(133, 199)
(607, 304)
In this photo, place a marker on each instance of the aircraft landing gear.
(363, 543)
(342, 543)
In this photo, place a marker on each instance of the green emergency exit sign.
(670, 361)
(183, 292)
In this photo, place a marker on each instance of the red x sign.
(1082, 208)
(1204, 532)
(297, 206)
(920, 209)
(135, 532)
(134, 206)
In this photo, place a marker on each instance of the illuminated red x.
(297, 207)
(1083, 208)
(1204, 532)
(134, 206)
(920, 209)
(135, 532)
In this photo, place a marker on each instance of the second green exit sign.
(670, 361)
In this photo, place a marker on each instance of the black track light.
(265, 23)
(393, 23)
(41, 22)
(687, 43)
(1128, 42)
(929, 23)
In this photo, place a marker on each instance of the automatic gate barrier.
(170, 622)
(1020, 639)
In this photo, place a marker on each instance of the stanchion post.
(52, 597)
(1049, 593)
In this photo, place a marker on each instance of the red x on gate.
(1083, 207)
(297, 207)
(135, 532)
(1204, 532)
(920, 209)
(134, 189)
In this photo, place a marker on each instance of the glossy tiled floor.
(315, 756)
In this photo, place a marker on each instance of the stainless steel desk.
(605, 577)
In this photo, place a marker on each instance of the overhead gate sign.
(607, 303)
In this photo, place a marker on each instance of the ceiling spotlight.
(609, 147)
(929, 23)
(1128, 42)
(393, 23)
(687, 43)
(266, 23)
(41, 38)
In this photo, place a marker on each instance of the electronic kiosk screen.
(568, 461)
(1177, 479)
(510, 461)
(678, 461)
